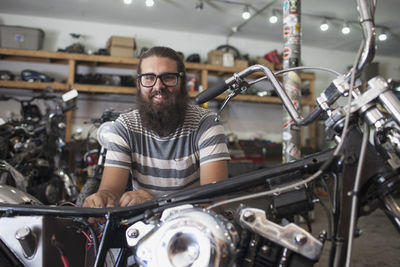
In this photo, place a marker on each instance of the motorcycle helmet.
(193, 58)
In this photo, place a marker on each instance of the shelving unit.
(202, 71)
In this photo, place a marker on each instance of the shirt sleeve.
(119, 152)
(212, 141)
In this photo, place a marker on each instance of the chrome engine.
(184, 236)
(192, 236)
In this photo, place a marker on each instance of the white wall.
(245, 119)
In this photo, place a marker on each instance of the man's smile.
(159, 97)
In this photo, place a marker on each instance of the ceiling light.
(127, 2)
(199, 5)
(149, 3)
(346, 28)
(383, 36)
(273, 18)
(324, 26)
(246, 13)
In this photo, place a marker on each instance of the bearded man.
(166, 144)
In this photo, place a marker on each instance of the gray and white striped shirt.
(161, 165)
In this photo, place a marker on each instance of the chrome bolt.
(133, 233)
(249, 216)
(358, 232)
(322, 236)
(300, 238)
(265, 249)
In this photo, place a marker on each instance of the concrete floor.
(378, 245)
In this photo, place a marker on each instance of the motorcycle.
(32, 150)
(209, 226)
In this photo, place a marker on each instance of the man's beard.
(166, 117)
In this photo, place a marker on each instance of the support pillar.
(291, 80)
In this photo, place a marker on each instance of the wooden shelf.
(104, 89)
(73, 60)
(34, 85)
(13, 54)
(88, 88)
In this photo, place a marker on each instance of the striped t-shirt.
(161, 165)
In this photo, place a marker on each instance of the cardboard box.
(264, 62)
(215, 57)
(120, 51)
(21, 37)
(121, 41)
(241, 63)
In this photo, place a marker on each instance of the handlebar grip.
(211, 92)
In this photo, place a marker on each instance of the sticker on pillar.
(291, 89)
(295, 51)
(286, 52)
(291, 20)
(294, 76)
(293, 40)
(285, 6)
(287, 124)
(293, 151)
(286, 136)
(286, 117)
(293, 62)
(297, 28)
(286, 30)
(293, 7)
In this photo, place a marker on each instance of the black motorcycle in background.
(32, 149)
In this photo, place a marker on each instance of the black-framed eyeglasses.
(169, 79)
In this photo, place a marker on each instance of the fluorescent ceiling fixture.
(149, 3)
(324, 26)
(346, 29)
(246, 13)
(383, 36)
(273, 19)
(127, 2)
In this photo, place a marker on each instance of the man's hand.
(136, 197)
(101, 199)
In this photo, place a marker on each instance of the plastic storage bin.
(21, 37)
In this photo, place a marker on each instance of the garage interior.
(87, 53)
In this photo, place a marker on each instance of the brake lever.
(240, 86)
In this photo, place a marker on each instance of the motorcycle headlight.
(103, 133)
(185, 236)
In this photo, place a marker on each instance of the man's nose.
(159, 84)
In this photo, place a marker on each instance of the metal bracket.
(290, 236)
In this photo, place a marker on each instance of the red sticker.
(286, 30)
(286, 52)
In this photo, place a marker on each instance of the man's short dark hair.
(162, 51)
